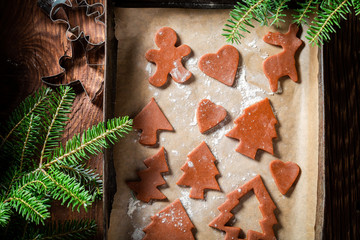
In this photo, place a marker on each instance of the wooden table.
(31, 46)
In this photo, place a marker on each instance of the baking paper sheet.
(295, 107)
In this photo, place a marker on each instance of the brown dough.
(151, 178)
(284, 174)
(168, 58)
(199, 172)
(209, 115)
(255, 129)
(282, 64)
(266, 207)
(170, 223)
(150, 120)
(222, 65)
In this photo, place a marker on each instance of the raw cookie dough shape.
(266, 207)
(284, 174)
(150, 178)
(150, 120)
(208, 115)
(199, 172)
(255, 129)
(282, 64)
(222, 65)
(168, 58)
(170, 223)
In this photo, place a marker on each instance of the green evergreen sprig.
(304, 11)
(328, 14)
(72, 229)
(57, 230)
(356, 4)
(241, 17)
(36, 168)
(279, 6)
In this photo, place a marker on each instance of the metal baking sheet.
(298, 109)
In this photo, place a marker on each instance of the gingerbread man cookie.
(168, 58)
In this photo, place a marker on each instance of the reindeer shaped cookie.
(168, 58)
(282, 64)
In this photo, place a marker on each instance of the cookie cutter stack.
(60, 11)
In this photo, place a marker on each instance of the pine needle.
(61, 106)
(241, 16)
(73, 229)
(93, 141)
(33, 104)
(329, 16)
(39, 169)
(356, 4)
(306, 8)
(280, 6)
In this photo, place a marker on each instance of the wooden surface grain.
(31, 46)
(342, 143)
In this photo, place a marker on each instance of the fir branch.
(241, 17)
(87, 177)
(280, 6)
(324, 23)
(25, 192)
(73, 229)
(67, 189)
(26, 140)
(33, 104)
(30, 207)
(356, 4)
(62, 105)
(33, 182)
(26, 146)
(306, 8)
(5, 213)
(92, 141)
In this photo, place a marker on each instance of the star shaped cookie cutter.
(64, 12)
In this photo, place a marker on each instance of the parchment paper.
(295, 107)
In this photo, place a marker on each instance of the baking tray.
(110, 94)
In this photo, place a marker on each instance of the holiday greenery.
(36, 168)
(327, 16)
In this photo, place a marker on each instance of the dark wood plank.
(31, 45)
(342, 111)
(175, 4)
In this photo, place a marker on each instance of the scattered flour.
(175, 72)
(249, 93)
(180, 86)
(253, 44)
(176, 153)
(264, 55)
(191, 64)
(185, 200)
(132, 206)
(190, 164)
(148, 68)
(138, 234)
(194, 122)
(219, 134)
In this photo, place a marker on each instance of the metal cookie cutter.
(83, 74)
(67, 12)
(85, 50)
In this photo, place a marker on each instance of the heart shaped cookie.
(284, 174)
(222, 65)
(208, 115)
